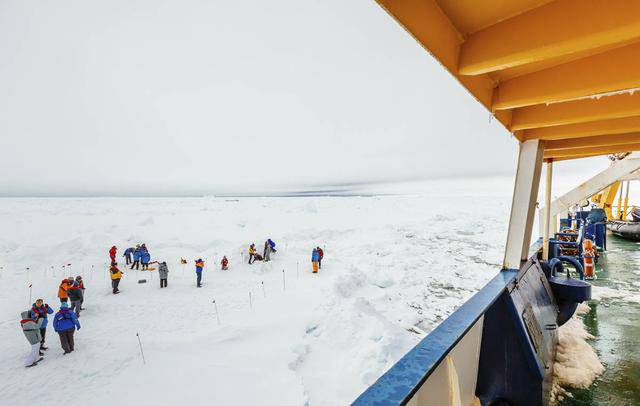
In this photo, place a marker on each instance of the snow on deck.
(394, 267)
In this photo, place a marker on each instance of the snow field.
(394, 267)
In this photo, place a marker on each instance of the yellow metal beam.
(612, 71)
(579, 111)
(591, 151)
(607, 198)
(562, 27)
(613, 126)
(426, 22)
(598, 141)
(490, 13)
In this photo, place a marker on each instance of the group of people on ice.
(65, 322)
(269, 248)
(134, 256)
(71, 294)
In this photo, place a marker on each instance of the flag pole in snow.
(264, 292)
(298, 270)
(216, 307)
(250, 303)
(30, 286)
(140, 344)
(284, 285)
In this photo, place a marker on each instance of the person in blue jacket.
(136, 257)
(145, 257)
(65, 323)
(315, 258)
(127, 255)
(272, 245)
(40, 310)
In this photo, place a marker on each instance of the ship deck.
(615, 323)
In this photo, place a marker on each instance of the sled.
(151, 268)
(142, 281)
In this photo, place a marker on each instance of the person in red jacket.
(320, 256)
(224, 263)
(112, 253)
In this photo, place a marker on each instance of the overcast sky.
(198, 97)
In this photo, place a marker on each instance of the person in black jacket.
(75, 296)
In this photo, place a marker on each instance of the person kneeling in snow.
(224, 263)
(163, 273)
(116, 275)
(65, 323)
(31, 329)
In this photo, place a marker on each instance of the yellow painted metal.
(611, 71)
(626, 201)
(549, 70)
(579, 111)
(597, 141)
(426, 22)
(591, 151)
(490, 13)
(560, 132)
(607, 198)
(547, 211)
(562, 27)
(619, 208)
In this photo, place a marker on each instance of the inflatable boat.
(625, 229)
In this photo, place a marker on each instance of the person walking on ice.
(65, 323)
(39, 311)
(224, 264)
(116, 275)
(31, 329)
(315, 258)
(163, 273)
(199, 267)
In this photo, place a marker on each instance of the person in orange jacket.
(199, 267)
(224, 263)
(63, 289)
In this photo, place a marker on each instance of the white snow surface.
(392, 264)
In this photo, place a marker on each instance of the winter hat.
(64, 305)
(78, 278)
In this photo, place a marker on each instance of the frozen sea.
(396, 264)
